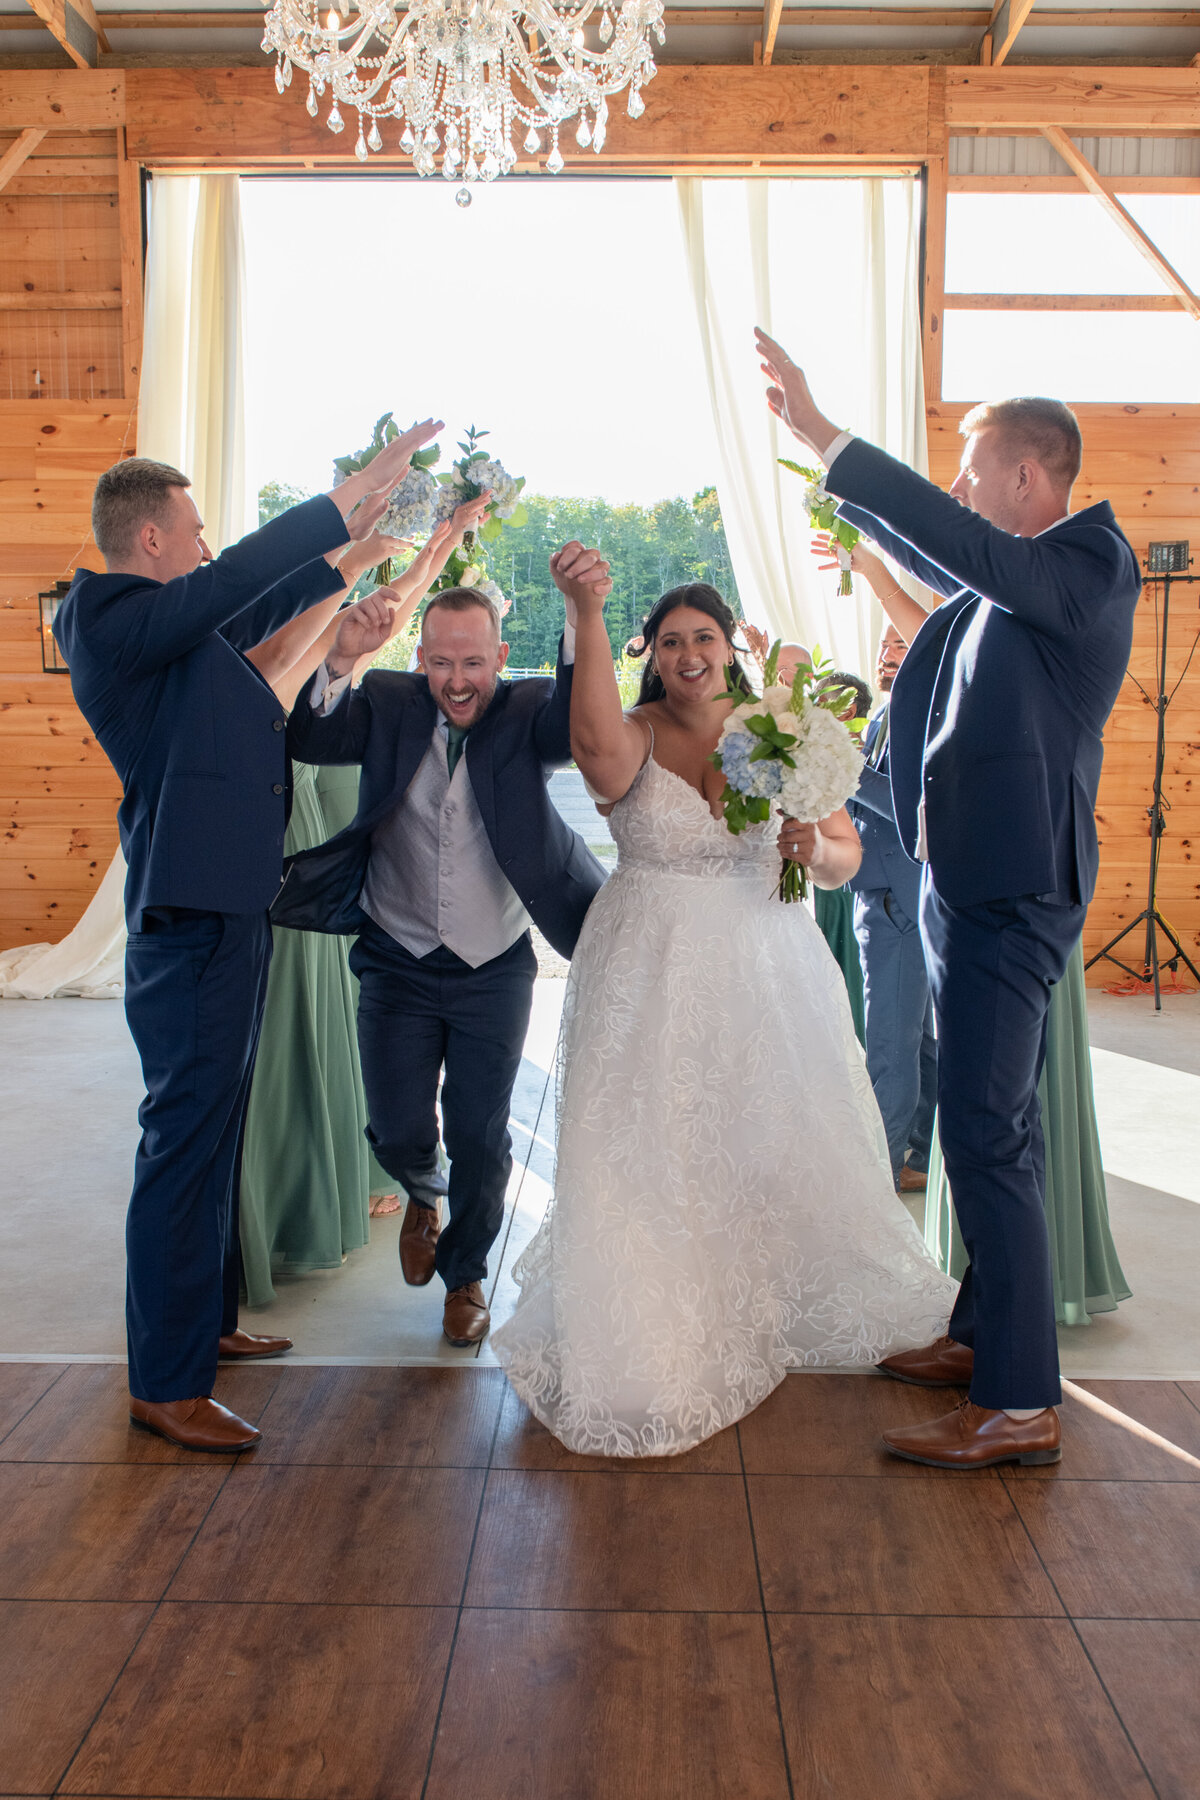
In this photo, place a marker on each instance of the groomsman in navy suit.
(157, 653)
(996, 743)
(900, 1045)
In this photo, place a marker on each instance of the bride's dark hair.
(702, 598)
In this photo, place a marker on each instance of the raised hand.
(363, 629)
(789, 397)
(864, 562)
(581, 577)
(386, 470)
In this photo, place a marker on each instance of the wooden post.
(933, 287)
(129, 206)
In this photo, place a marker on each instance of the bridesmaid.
(1087, 1272)
(307, 1173)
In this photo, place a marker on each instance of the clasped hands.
(582, 578)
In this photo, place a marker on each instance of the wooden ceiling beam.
(1093, 101)
(17, 151)
(772, 13)
(1099, 189)
(75, 25)
(948, 18)
(1003, 29)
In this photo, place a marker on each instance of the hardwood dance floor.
(410, 1591)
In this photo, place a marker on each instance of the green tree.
(275, 497)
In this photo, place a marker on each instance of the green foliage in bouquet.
(386, 429)
(822, 513)
(472, 473)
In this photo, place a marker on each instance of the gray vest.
(433, 878)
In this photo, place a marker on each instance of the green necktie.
(455, 736)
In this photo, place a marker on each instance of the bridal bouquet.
(822, 516)
(789, 750)
(423, 499)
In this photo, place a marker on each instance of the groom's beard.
(471, 712)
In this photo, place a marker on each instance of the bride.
(723, 1207)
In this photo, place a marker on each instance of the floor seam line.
(1079, 1639)
(154, 1611)
(437, 1718)
(762, 1600)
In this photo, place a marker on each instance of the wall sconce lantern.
(48, 605)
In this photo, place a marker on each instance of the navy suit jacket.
(386, 725)
(885, 861)
(999, 706)
(194, 732)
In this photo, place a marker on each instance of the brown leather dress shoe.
(241, 1344)
(912, 1181)
(419, 1232)
(202, 1424)
(466, 1319)
(941, 1364)
(973, 1437)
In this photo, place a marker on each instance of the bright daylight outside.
(555, 317)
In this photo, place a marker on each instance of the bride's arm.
(830, 851)
(609, 748)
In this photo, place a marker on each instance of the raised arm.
(291, 653)
(609, 748)
(906, 614)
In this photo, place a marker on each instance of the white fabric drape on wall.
(831, 270)
(192, 410)
(191, 413)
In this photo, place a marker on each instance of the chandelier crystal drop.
(478, 68)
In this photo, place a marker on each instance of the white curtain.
(831, 270)
(191, 413)
(191, 408)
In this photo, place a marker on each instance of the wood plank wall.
(70, 309)
(64, 417)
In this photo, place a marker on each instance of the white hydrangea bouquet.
(423, 499)
(789, 750)
(821, 508)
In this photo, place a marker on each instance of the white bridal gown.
(723, 1207)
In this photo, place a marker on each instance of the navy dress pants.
(195, 984)
(991, 969)
(900, 1046)
(418, 1017)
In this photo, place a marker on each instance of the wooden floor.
(410, 1590)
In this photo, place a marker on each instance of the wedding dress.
(723, 1207)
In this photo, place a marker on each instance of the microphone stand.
(1150, 915)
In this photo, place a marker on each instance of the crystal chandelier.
(462, 75)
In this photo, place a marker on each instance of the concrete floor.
(69, 1129)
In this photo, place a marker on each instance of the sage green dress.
(305, 1164)
(1087, 1273)
(337, 791)
(835, 916)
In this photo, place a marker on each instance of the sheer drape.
(192, 403)
(191, 413)
(830, 269)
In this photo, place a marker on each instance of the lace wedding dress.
(723, 1207)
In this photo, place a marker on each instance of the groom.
(455, 850)
(995, 745)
